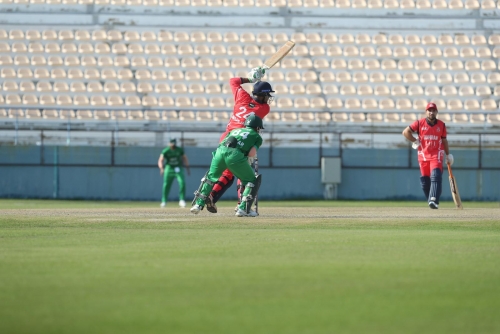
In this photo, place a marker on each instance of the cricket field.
(301, 267)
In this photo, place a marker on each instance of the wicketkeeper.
(235, 152)
(431, 143)
(244, 106)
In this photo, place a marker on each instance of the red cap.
(431, 105)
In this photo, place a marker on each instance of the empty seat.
(334, 51)
(391, 118)
(403, 104)
(449, 91)
(408, 117)
(427, 77)
(432, 91)
(478, 78)
(471, 105)
(393, 77)
(317, 103)
(30, 99)
(289, 117)
(454, 104)
(334, 103)
(326, 76)
(410, 77)
(494, 78)
(340, 117)
(461, 78)
(10, 86)
(26, 86)
(483, 91)
(444, 78)
(133, 101)
(415, 90)
(488, 104)
(386, 104)
(370, 104)
(114, 100)
(40, 73)
(389, 64)
(398, 90)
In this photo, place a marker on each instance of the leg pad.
(436, 185)
(249, 199)
(425, 182)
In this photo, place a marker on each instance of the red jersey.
(430, 137)
(244, 106)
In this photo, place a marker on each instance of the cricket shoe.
(182, 203)
(237, 207)
(209, 202)
(196, 209)
(433, 205)
(163, 204)
(242, 213)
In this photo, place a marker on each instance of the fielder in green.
(171, 162)
(235, 153)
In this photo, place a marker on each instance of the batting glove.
(256, 74)
(251, 160)
(450, 159)
(415, 144)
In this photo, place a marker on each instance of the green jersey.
(173, 157)
(247, 138)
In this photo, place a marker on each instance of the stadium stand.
(151, 72)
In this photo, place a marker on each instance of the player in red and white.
(431, 145)
(244, 106)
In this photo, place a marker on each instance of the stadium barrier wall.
(130, 173)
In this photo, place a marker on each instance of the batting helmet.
(254, 121)
(262, 88)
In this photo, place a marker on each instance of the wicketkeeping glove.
(415, 144)
(450, 159)
(256, 74)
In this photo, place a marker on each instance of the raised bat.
(454, 189)
(280, 54)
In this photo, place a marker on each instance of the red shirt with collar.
(430, 137)
(244, 106)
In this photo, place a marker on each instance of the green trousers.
(234, 160)
(168, 178)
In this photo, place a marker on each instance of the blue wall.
(130, 173)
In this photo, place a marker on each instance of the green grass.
(65, 204)
(334, 267)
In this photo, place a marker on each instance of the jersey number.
(242, 113)
(244, 134)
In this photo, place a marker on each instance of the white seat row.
(218, 102)
(409, 77)
(252, 50)
(278, 38)
(131, 101)
(241, 63)
(222, 116)
(343, 4)
(281, 89)
(114, 87)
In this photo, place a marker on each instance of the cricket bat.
(256, 167)
(280, 54)
(454, 189)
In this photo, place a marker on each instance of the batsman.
(244, 106)
(235, 153)
(431, 143)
